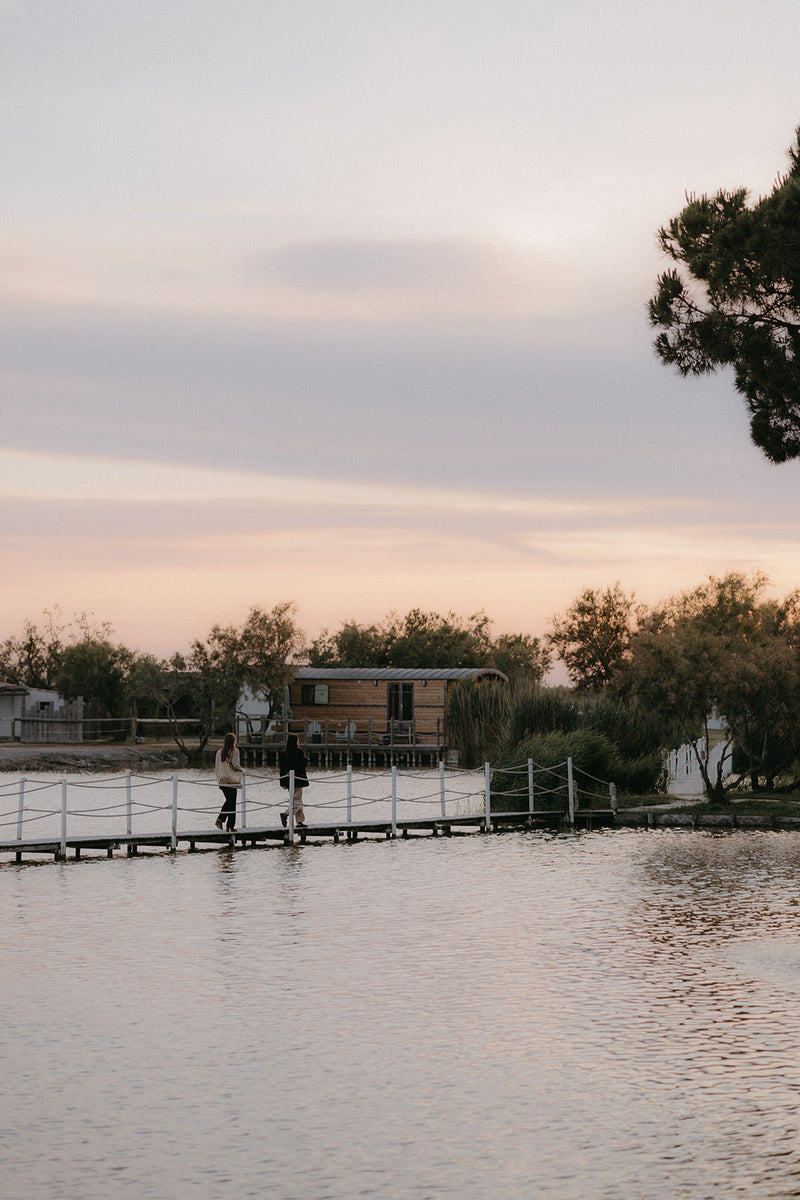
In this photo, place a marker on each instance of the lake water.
(584, 1016)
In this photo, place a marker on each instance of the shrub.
(596, 763)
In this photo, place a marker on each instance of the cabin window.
(400, 702)
(313, 693)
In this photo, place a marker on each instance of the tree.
(208, 682)
(32, 659)
(431, 640)
(593, 636)
(355, 645)
(265, 649)
(95, 670)
(428, 639)
(734, 300)
(518, 655)
(721, 649)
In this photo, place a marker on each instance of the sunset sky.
(344, 303)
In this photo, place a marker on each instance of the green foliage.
(634, 729)
(428, 639)
(96, 670)
(734, 300)
(593, 754)
(265, 650)
(520, 657)
(721, 648)
(535, 711)
(593, 637)
(208, 683)
(606, 737)
(477, 718)
(353, 645)
(33, 658)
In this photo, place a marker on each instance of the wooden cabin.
(375, 713)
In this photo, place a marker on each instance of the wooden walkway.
(341, 831)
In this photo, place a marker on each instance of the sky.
(345, 304)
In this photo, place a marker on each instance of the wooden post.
(20, 808)
(571, 792)
(487, 787)
(128, 804)
(63, 818)
(291, 805)
(530, 786)
(243, 811)
(612, 791)
(441, 785)
(174, 839)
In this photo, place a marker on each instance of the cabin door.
(400, 702)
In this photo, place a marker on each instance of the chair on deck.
(347, 734)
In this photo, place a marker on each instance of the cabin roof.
(12, 687)
(390, 673)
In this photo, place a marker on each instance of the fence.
(44, 723)
(168, 808)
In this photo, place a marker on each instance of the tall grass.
(489, 721)
(477, 719)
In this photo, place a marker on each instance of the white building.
(683, 766)
(18, 701)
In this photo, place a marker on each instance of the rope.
(463, 788)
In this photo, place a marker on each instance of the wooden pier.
(322, 751)
(131, 844)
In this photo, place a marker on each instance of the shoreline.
(15, 757)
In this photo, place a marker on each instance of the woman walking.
(292, 758)
(229, 777)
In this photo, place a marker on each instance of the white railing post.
(291, 804)
(571, 792)
(63, 818)
(394, 801)
(612, 792)
(20, 808)
(244, 800)
(128, 804)
(530, 786)
(174, 840)
(441, 785)
(349, 792)
(487, 788)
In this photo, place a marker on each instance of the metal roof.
(389, 673)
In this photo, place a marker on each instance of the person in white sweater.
(228, 767)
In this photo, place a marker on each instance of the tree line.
(78, 658)
(643, 678)
(646, 679)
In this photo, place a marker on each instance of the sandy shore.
(21, 758)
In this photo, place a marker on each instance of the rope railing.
(528, 787)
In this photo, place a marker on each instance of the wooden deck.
(341, 831)
(336, 752)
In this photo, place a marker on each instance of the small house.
(24, 709)
(12, 700)
(376, 706)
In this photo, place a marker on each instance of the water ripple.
(587, 1017)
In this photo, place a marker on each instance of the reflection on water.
(594, 1016)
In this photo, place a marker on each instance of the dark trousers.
(228, 810)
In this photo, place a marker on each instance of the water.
(592, 1016)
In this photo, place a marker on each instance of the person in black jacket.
(292, 758)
